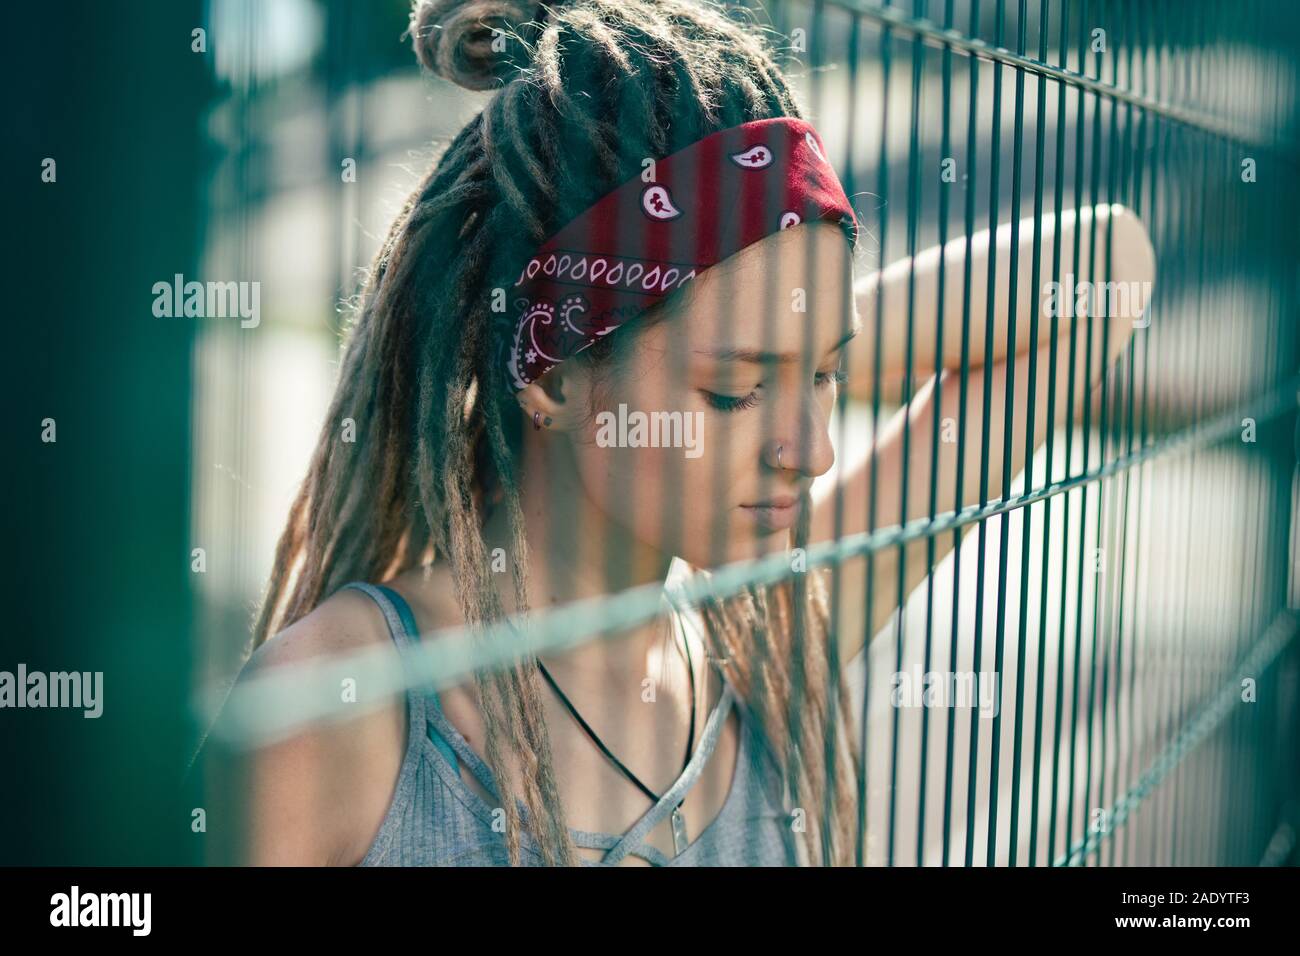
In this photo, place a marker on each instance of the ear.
(558, 397)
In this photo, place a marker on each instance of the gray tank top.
(436, 819)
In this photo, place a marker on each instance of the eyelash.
(728, 403)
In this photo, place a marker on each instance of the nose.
(804, 446)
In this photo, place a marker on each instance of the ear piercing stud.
(538, 425)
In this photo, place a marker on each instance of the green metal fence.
(1166, 108)
(1133, 592)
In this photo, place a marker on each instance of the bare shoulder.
(347, 620)
(430, 592)
(319, 796)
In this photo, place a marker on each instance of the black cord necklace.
(680, 840)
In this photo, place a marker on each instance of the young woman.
(478, 479)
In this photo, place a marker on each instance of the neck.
(575, 551)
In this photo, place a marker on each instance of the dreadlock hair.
(437, 435)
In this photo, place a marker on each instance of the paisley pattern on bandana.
(640, 243)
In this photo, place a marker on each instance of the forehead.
(789, 292)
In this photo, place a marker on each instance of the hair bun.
(455, 38)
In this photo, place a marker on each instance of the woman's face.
(748, 360)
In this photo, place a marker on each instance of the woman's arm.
(1132, 265)
(317, 797)
(938, 398)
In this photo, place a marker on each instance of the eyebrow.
(770, 358)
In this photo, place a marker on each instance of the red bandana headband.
(654, 234)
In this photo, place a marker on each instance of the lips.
(780, 501)
(774, 514)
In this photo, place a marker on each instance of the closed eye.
(730, 403)
(839, 377)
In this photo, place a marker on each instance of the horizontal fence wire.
(277, 703)
(1262, 656)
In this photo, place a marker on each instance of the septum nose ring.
(780, 449)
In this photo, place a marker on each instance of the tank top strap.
(406, 636)
(753, 739)
(633, 840)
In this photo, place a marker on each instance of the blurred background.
(276, 145)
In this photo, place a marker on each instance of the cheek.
(641, 487)
(671, 496)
